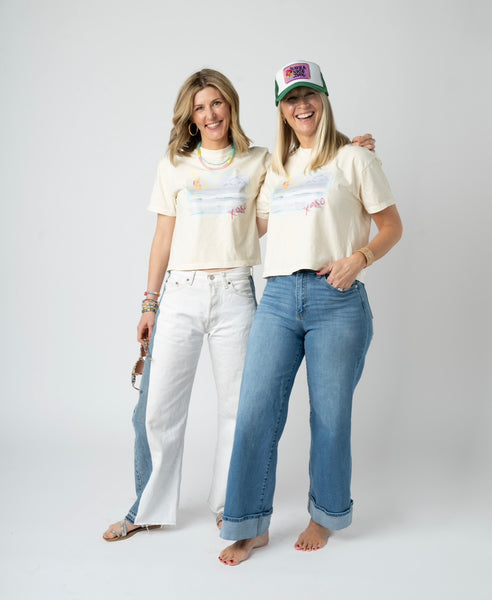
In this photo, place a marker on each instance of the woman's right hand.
(145, 327)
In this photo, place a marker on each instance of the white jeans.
(195, 304)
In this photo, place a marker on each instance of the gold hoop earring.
(191, 132)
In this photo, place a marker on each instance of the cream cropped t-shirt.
(215, 210)
(316, 217)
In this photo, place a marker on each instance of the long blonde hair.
(181, 143)
(327, 141)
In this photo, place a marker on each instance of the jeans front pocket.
(242, 287)
(340, 290)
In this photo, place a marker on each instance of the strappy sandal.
(219, 518)
(124, 534)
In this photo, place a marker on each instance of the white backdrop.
(87, 91)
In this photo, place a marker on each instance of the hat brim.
(297, 84)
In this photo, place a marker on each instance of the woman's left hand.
(365, 141)
(343, 272)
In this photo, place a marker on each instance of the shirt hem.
(215, 265)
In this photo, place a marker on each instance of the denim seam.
(275, 439)
(367, 338)
(364, 301)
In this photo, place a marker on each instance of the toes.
(227, 561)
(308, 546)
(109, 534)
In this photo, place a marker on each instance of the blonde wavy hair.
(326, 143)
(181, 143)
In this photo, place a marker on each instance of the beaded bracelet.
(150, 305)
(148, 292)
(150, 301)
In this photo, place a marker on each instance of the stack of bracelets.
(150, 304)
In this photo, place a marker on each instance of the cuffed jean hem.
(332, 521)
(245, 528)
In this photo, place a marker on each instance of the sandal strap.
(123, 528)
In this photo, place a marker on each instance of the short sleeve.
(374, 188)
(263, 202)
(163, 198)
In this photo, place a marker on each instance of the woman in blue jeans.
(320, 196)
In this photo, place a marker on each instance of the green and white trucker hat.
(297, 74)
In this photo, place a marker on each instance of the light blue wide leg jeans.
(299, 315)
(142, 458)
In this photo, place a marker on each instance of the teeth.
(305, 115)
(213, 125)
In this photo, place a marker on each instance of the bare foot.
(219, 519)
(313, 537)
(110, 534)
(239, 551)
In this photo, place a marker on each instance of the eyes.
(294, 98)
(214, 104)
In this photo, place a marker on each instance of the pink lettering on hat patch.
(297, 71)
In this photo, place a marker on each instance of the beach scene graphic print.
(218, 194)
(302, 193)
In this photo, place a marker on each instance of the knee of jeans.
(337, 432)
(250, 423)
(335, 422)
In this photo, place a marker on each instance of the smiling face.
(212, 116)
(302, 109)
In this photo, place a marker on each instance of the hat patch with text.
(297, 71)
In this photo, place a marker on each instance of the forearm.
(159, 259)
(159, 253)
(389, 233)
(344, 271)
(157, 268)
(262, 226)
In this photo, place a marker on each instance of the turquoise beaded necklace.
(214, 166)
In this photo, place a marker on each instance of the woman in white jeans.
(207, 240)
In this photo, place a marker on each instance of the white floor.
(410, 538)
